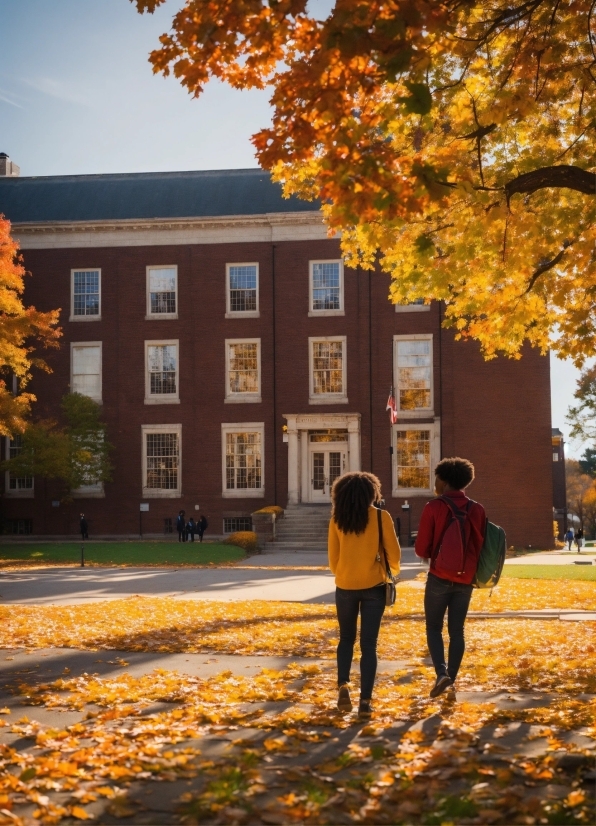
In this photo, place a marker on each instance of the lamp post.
(406, 510)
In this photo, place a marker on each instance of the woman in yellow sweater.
(355, 557)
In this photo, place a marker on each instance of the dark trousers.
(192, 536)
(370, 604)
(200, 536)
(181, 536)
(442, 596)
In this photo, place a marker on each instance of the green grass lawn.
(587, 572)
(121, 553)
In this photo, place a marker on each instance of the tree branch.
(568, 177)
(545, 267)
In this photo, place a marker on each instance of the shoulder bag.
(390, 580)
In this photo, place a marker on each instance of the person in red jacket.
(449, 591)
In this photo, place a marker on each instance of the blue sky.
(77, 96)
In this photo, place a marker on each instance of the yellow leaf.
(80, 813)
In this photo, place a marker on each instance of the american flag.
(391, 407)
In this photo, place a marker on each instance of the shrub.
(276, 509)
(244, 539)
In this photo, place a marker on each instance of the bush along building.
(240, 364)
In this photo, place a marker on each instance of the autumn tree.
(582, 416)
(75, 453)
(20, 329)
(454, 139)
(581, 495)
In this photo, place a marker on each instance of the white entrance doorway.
(328, 459)
(327, 463)
(321, 446)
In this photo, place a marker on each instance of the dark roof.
(145, 195)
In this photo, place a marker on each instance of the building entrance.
(321, 446)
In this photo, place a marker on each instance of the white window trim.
(74, 317)
(242, 313)
(412, 308)
(236, 398)
(160, 493)
(164, 398)
(99, 344)
(312, 312)
(423, 412)
(239, 427)
(435, 453)
(158, 316)
(327, 398)
(23, 493)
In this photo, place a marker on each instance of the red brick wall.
(497, 414)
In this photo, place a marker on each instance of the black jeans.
(370, 604)
(454, 597)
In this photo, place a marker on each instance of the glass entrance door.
(326, 465)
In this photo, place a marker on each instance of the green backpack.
(492, 557)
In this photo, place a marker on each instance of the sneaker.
(343, 700)
(442, 684)
(365, 710)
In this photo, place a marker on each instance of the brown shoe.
(343, 699)
(365, 710)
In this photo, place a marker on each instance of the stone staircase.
(302, 530)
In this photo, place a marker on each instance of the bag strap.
(388, 574)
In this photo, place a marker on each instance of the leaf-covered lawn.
(282, 753)
(451, 768)
(291, 629)
(141, 553)
(552, 572)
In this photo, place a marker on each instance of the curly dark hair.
(457, 472)
(351, 496)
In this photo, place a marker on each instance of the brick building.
(240, 364)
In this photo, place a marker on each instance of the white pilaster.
(354, 443)
(293, 491)
(304, 466)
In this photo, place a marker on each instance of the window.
(85, 369)
(416, 451)
(162, 292)
(326, 288)
(161, 460)
(19, 526)
(161, 375)
(415, 306)
(242, 290)
(242, 454)
(328, 370)
(231, 524)
(243, 370)
(86, 295)
(413, 375)
(555, 457)
(17, 486)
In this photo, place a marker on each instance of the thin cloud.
(57, 89)
(7, 97)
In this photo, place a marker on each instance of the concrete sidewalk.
(262, 577)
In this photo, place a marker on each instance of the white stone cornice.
(269, 227)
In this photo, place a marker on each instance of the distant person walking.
(191, 528)
(202, 526)
(569, 537)
(84, 527)
(449, 525)
(181, 527)
(579, 538)
(360, 576)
